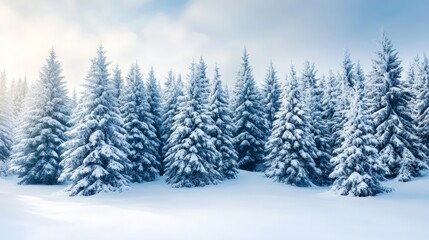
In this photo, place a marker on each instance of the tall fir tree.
(400, 148)
(413, 76)
(319, 127)
(173, 98)
(422, 102)
(118, 82)
(169, 101)
(192, 156)
(291, 149)
(154, 100)
(346, 83)
(331, 103)
(271, 93)
(37, 156)
(5, 125)
(249, 122)
(358, 168)
(74, 100)
(18, 91)
(96, 157)
(222, 134)
(139, 125)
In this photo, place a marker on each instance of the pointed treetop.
(151, 73)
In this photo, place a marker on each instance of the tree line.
(347, 130)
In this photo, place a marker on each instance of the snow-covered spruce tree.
(360, 79)
(346, 82)
(169, 99)
(118, 82)
(250, 125)
(271, 92)
(37, 155)
(330, 103)
(139, 125)
(422, 102)
(191, 159)
(73, 100)
(358, 167)
(400, 149)
(19, 90)
(319, 127)
(413, 75)
(5, 125)
(173, 98)
(96, 157)
(154, 100)
(290, 147)
(222, 134)
(204, 82)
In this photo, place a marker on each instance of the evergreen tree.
(5, 125)
(96, 157)
(422, 113)
(360, 80)
(173, 98)
(169, 110)
(348, 80)
(192, 156)
(357, 164)
(400, 149)
(271, 92)
(319, 128)
(74, 101)
(291, 150)
(138, 123)
(19, 91)
(222, 117)
(249, 122)
(330, 102)
(346, 83)
(154, 100)
(37, 155)
(118, 82)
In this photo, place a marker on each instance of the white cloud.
(283, 31)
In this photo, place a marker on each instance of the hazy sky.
(169, 34)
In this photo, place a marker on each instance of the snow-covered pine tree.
(346, 82)
(139, 125)
(330, 103)
(422, 102)
(169, 111)
(357, 165)
(96, 157)
(319, 127)
(192, 157)
(249, 122)
(204, 82)
(415, 80)
(290, 147)
(360, 79)
(400, 149)
(19, 91)
(154, 100)
(271, 92)
(5, 125)
(118, 82)
(37, 156)
(222, 117)
(173, 98)
(74, 101)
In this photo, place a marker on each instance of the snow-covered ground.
(250, 207)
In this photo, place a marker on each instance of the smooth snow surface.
(250, 207)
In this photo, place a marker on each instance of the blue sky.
(169, 34)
